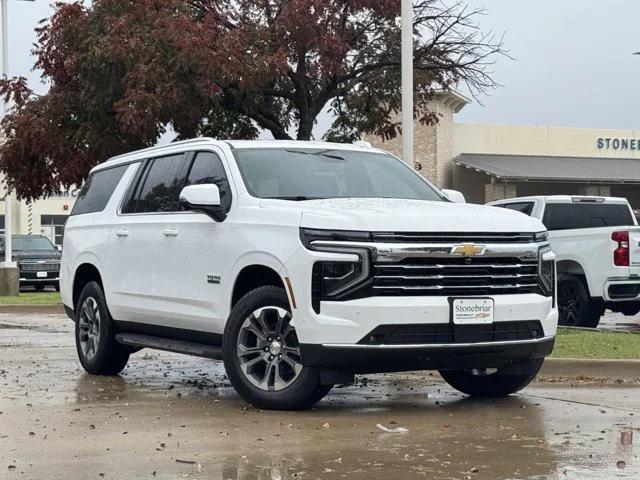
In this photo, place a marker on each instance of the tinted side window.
(161, 185)
(207, 168)
(561, 216)
(97, 190)
(522, 207)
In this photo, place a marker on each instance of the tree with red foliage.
(122, 71)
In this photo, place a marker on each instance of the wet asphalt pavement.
(173, 417)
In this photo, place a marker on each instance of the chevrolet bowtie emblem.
(468, 249)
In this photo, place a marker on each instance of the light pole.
(8, 260)
(406, 60)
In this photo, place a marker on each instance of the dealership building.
(45, 216)
(492, 162)
(484, 162)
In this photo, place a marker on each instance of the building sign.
(618, 143)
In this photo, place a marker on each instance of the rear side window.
(207, 168)
(97, 190)
(159, 186)
(522, 207)
(565, 216)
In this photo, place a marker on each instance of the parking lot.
(170, 416)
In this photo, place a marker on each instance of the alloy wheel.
(569, 306)
(89, 326)
(268, 349)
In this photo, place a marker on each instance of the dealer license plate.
(472, 311)
(41, 274)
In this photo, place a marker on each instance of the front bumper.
(622, 289)
(350, 321)
(395, 358)
(31, 278)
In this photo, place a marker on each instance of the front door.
(195, 254)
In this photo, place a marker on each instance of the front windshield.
(307, 174)
(29, 243)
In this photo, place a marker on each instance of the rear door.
(138, 239)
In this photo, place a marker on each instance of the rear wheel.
(492, 383)
(262, 354)
(575, 307)
(98, 351)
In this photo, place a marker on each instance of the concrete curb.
(576, 367)
(47, 309)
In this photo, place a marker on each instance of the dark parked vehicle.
(38, 260)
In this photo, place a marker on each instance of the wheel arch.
(572, 267)
(253, 276)
(85, 273)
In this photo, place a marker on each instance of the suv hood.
(398, 215)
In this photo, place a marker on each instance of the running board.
(170, 345)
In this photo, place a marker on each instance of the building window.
(52, 227)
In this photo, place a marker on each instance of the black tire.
(57, 286)
(39, 287)
(494, 385)
(629, 309)
(110, 357)
(575, 307)
(304, 390)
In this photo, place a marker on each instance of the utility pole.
(407, 80)
(7, 196)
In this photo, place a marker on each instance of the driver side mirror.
(204, 197)
(454, 195)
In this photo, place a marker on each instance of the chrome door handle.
(122, 233)
(170, 232)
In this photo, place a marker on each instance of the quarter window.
(97, 190)
(160, 186)
(207, 168)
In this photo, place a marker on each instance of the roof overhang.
(532, 168)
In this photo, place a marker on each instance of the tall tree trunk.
(305, 128)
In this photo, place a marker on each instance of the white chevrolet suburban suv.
(301, 264)
(596, 241)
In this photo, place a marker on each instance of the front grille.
(37, 266)
(455, 276)
(448, 333)
(452, 237)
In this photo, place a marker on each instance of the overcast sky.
(573, 62)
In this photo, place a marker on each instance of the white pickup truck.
(597, 245)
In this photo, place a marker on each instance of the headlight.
(547, 273)
(337, 279)
(541, 236)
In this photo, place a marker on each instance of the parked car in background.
(300, 264)
(597, 245)
(38, 260)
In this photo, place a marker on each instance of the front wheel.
(488, 383)
(262, 354)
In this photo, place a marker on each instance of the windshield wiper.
(322, 153)
(297, 198)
